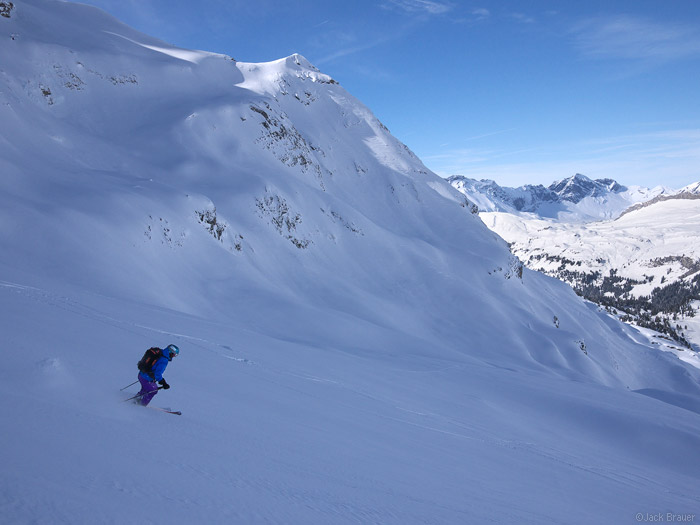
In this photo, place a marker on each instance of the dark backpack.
(149, 359)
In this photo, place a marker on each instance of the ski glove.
(164, 384)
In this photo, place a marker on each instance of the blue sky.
(519, 92)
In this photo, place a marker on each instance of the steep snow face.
(576, 199)
(356, 345)
(151, 157)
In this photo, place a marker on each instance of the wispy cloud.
(430, 7)
(352, 49)
(627, 37)
(522, 18)
(338, 43)
(480, 13)
(490, 134)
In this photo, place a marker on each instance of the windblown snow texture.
(356, 346)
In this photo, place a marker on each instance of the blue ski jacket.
(158, 367)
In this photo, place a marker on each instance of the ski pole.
(127, 386)
(142, 394)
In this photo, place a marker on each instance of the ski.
(136, 402)
(176, 412)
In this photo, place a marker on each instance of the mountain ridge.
(688, 192)
(577, 198)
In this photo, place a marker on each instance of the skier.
(151, 369)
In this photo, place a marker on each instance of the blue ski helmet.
(174, 350)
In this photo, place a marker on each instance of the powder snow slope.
(356, 346)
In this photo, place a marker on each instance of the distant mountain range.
(642, 262)
(575, 199)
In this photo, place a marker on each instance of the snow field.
(280, 431)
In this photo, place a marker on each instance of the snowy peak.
(278, 76)
(295, 66)
(299, 63)
(691, 188)
(576, 188)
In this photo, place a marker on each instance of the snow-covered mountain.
(568, 231)
(356, 346)
(576, 199)
(691, 188)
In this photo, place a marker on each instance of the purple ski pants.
(148, 389)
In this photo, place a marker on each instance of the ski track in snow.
(93, 314)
